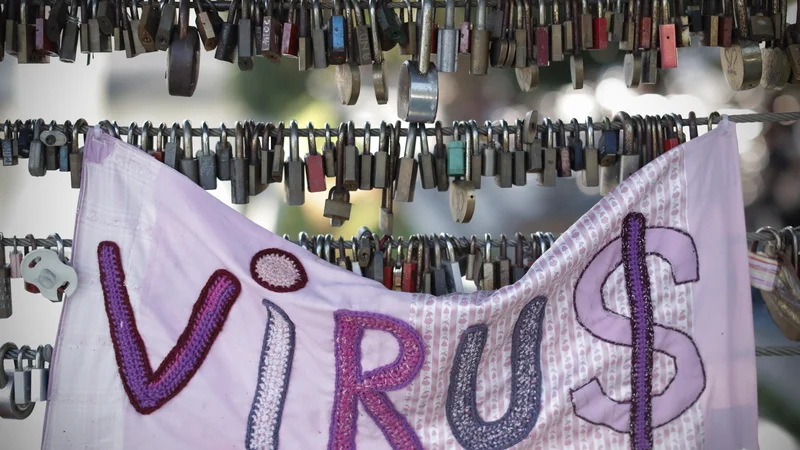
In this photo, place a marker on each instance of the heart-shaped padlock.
(47, 270)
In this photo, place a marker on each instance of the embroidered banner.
(194, 328)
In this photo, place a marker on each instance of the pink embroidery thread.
(278, 270)
(353, 385)
(148, 390)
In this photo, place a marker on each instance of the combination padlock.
(49, 272)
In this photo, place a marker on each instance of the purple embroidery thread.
(352, 384)
(637, 282)
(590, 402)
(469, 429)
(148, 390)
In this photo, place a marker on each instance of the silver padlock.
(629, 160)
(22, 379)
(418, 90)
(447, 53)
(40, 376)
(49, 272)
(8, 407)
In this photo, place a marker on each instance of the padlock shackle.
(423, 138)
(411, 137)
(294, 141)
(365, 148)
(4, 349)
(205, 140)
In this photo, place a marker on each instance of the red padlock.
(668, 50)
(600, 29)
(410, 268)
(645, 24)
(315, 164)
(542, 38)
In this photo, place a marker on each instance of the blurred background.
(115, 88)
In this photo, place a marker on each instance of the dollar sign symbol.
(644, 411)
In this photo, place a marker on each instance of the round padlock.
(8, 407)
(44, 269)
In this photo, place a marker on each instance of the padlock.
(425, 160)
(70, 36)
(761, 24)
(547, 177)
(37, 157)
(380, 163)
(563, 160)
(315, 164)
(169, 12)
(520, 268)
(25, 35)
(352, 159)
(229, 35)
(337, 45)
(39, 377)
(409, 47)
(542, 38)
(711, 23)
(52, 139)
(489, 152)
(22, 378)
(43, 45)
(726, 25)
(172, 150)
(290, 34)
(258, 27)
(418, 98)
(106, 16)
(476, 160)
(479, 45)
(239, 169)
(556, 34)
(206, 161)
(259, 158)
(489, 269)
(305, 54)
(56, 20)
(148, 26)
(338, 205)
(49, 272)
(133, 31)
(183, 56)
(9, 409)
(294, 188)
(591, 172)
(6, 308)
(410, 267)
(456, 156)
(531, 143)
(15, 261)
(275, 174)
(600, 27)
(452, 269)
(440, 159)
(362, 47)
(189, 166)
(208, 23)
(244, 48)
(224, 154)
(629, 159)
(329, 153)
(447, 54)
(668, 51)
(366, 161)
(319, 42)
(465, 38)
(462, 191)
(64, 149)
(10, 149)
(504, 176)
(76, 155)
(407, 168)
(519, 159)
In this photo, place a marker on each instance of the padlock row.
(520, 34)
(25, 385)
(259, 157)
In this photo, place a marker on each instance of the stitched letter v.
(148, 390)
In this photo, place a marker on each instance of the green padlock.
(456, 162)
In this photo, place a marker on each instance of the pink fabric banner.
(195, 328)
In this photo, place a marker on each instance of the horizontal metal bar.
(319, 131)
